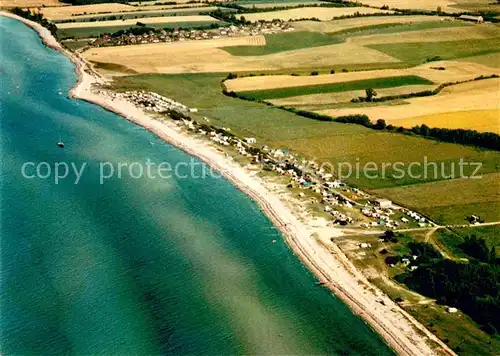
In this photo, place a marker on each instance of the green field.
(418, 52)
(98, 31)
(280, 42)
(375, 83)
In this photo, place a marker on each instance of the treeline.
(37, 17)
(473, 287)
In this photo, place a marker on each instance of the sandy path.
(331, 266)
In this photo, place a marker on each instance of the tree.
(388, 235)
(379, 125)
(370, 93)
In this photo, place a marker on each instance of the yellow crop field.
(472, 96)
(195, 57)
(132, 22)
(63, 12)
(155, 12)
(29, 3)
(480, 120)
(322, 13)
(150, 3)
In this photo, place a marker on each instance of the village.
(345, 205)
(174, 35)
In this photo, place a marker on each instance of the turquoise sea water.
(138, 266)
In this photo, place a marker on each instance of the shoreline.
(395, 326)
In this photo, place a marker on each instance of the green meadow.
(419, 52)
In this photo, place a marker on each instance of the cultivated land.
(360, 22)
(310, 101)
(271, 4)
(479, 120)
(148, 3)
(29, 3)
(446, 5)
(217, 60)
(142, 14)
(457, 100)
(54, 13)
(455, 71)
(281, 42)
(132, 22)
(492, 60)
(384, 82)
(322, 13)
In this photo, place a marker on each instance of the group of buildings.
(174, 35)
(153, 102)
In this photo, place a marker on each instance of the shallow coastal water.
(138, 266)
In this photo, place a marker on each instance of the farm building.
(383, 203)
(477, 19)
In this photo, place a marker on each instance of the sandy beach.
(401, 331)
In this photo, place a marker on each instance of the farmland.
(418, 52)
(322, 13)
(454, 71)
(480, 120)
(140, 14)
(29, 3)
(360, 22)
(54, 13)
(132, 22)
(218, 60)
(307, 39)
(274, 3)
(481, 95)
(389, 82)
(324, 141)
(431, 5)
